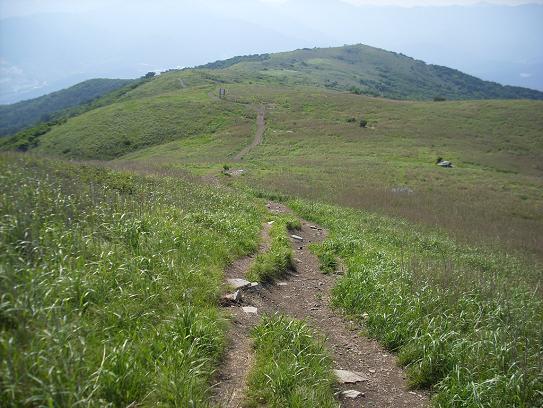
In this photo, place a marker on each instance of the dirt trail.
(259, 135)
(305, 294)
(231, 379)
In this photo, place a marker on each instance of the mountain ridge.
(17, 116)
(376, 72)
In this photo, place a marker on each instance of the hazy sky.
(49, 44)
(10, 8)
(410, 3)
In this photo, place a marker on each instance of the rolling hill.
(312, 139)
(371, 71)
(23, 114)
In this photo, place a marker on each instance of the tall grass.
(466, 322)
(108, 284)
(292, 368)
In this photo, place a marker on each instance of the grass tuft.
(277, 260)
(292, 368)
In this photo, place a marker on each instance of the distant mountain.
(26, 113)
(372, 71)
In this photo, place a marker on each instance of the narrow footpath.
(259, 135)
(305, 294)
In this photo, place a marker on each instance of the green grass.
(465, 321)
(135, 123)
(292, 368)
(277, 260)
(109, 284)
(328, 262)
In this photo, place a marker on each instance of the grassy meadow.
(135, 123)
(109, 284)
(313, 149)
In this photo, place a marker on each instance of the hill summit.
(372, 71)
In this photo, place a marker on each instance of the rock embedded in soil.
(297, 237)
(349, 377)
(237, 283)
(352, 394)
(254, 285)
(231, 298)
(250, 309)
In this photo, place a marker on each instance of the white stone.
(351, 394)
(297, 238)
(250, 309)
(237, 283)
(350, 377)
(232, 297)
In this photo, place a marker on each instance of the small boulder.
(349, 377)
(250, 309)
(231, 298)
(237, 283)
(352, 394)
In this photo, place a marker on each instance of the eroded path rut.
(305, 294)
(259, 135)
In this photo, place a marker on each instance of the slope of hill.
(26, 113)
(372, 71)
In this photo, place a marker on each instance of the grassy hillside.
(110, 283)
(26, 113)
(465, 321)
(312, 149)
(371, 71)
(114, 130)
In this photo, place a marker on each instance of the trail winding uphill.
(259, 135)
(305, 294)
